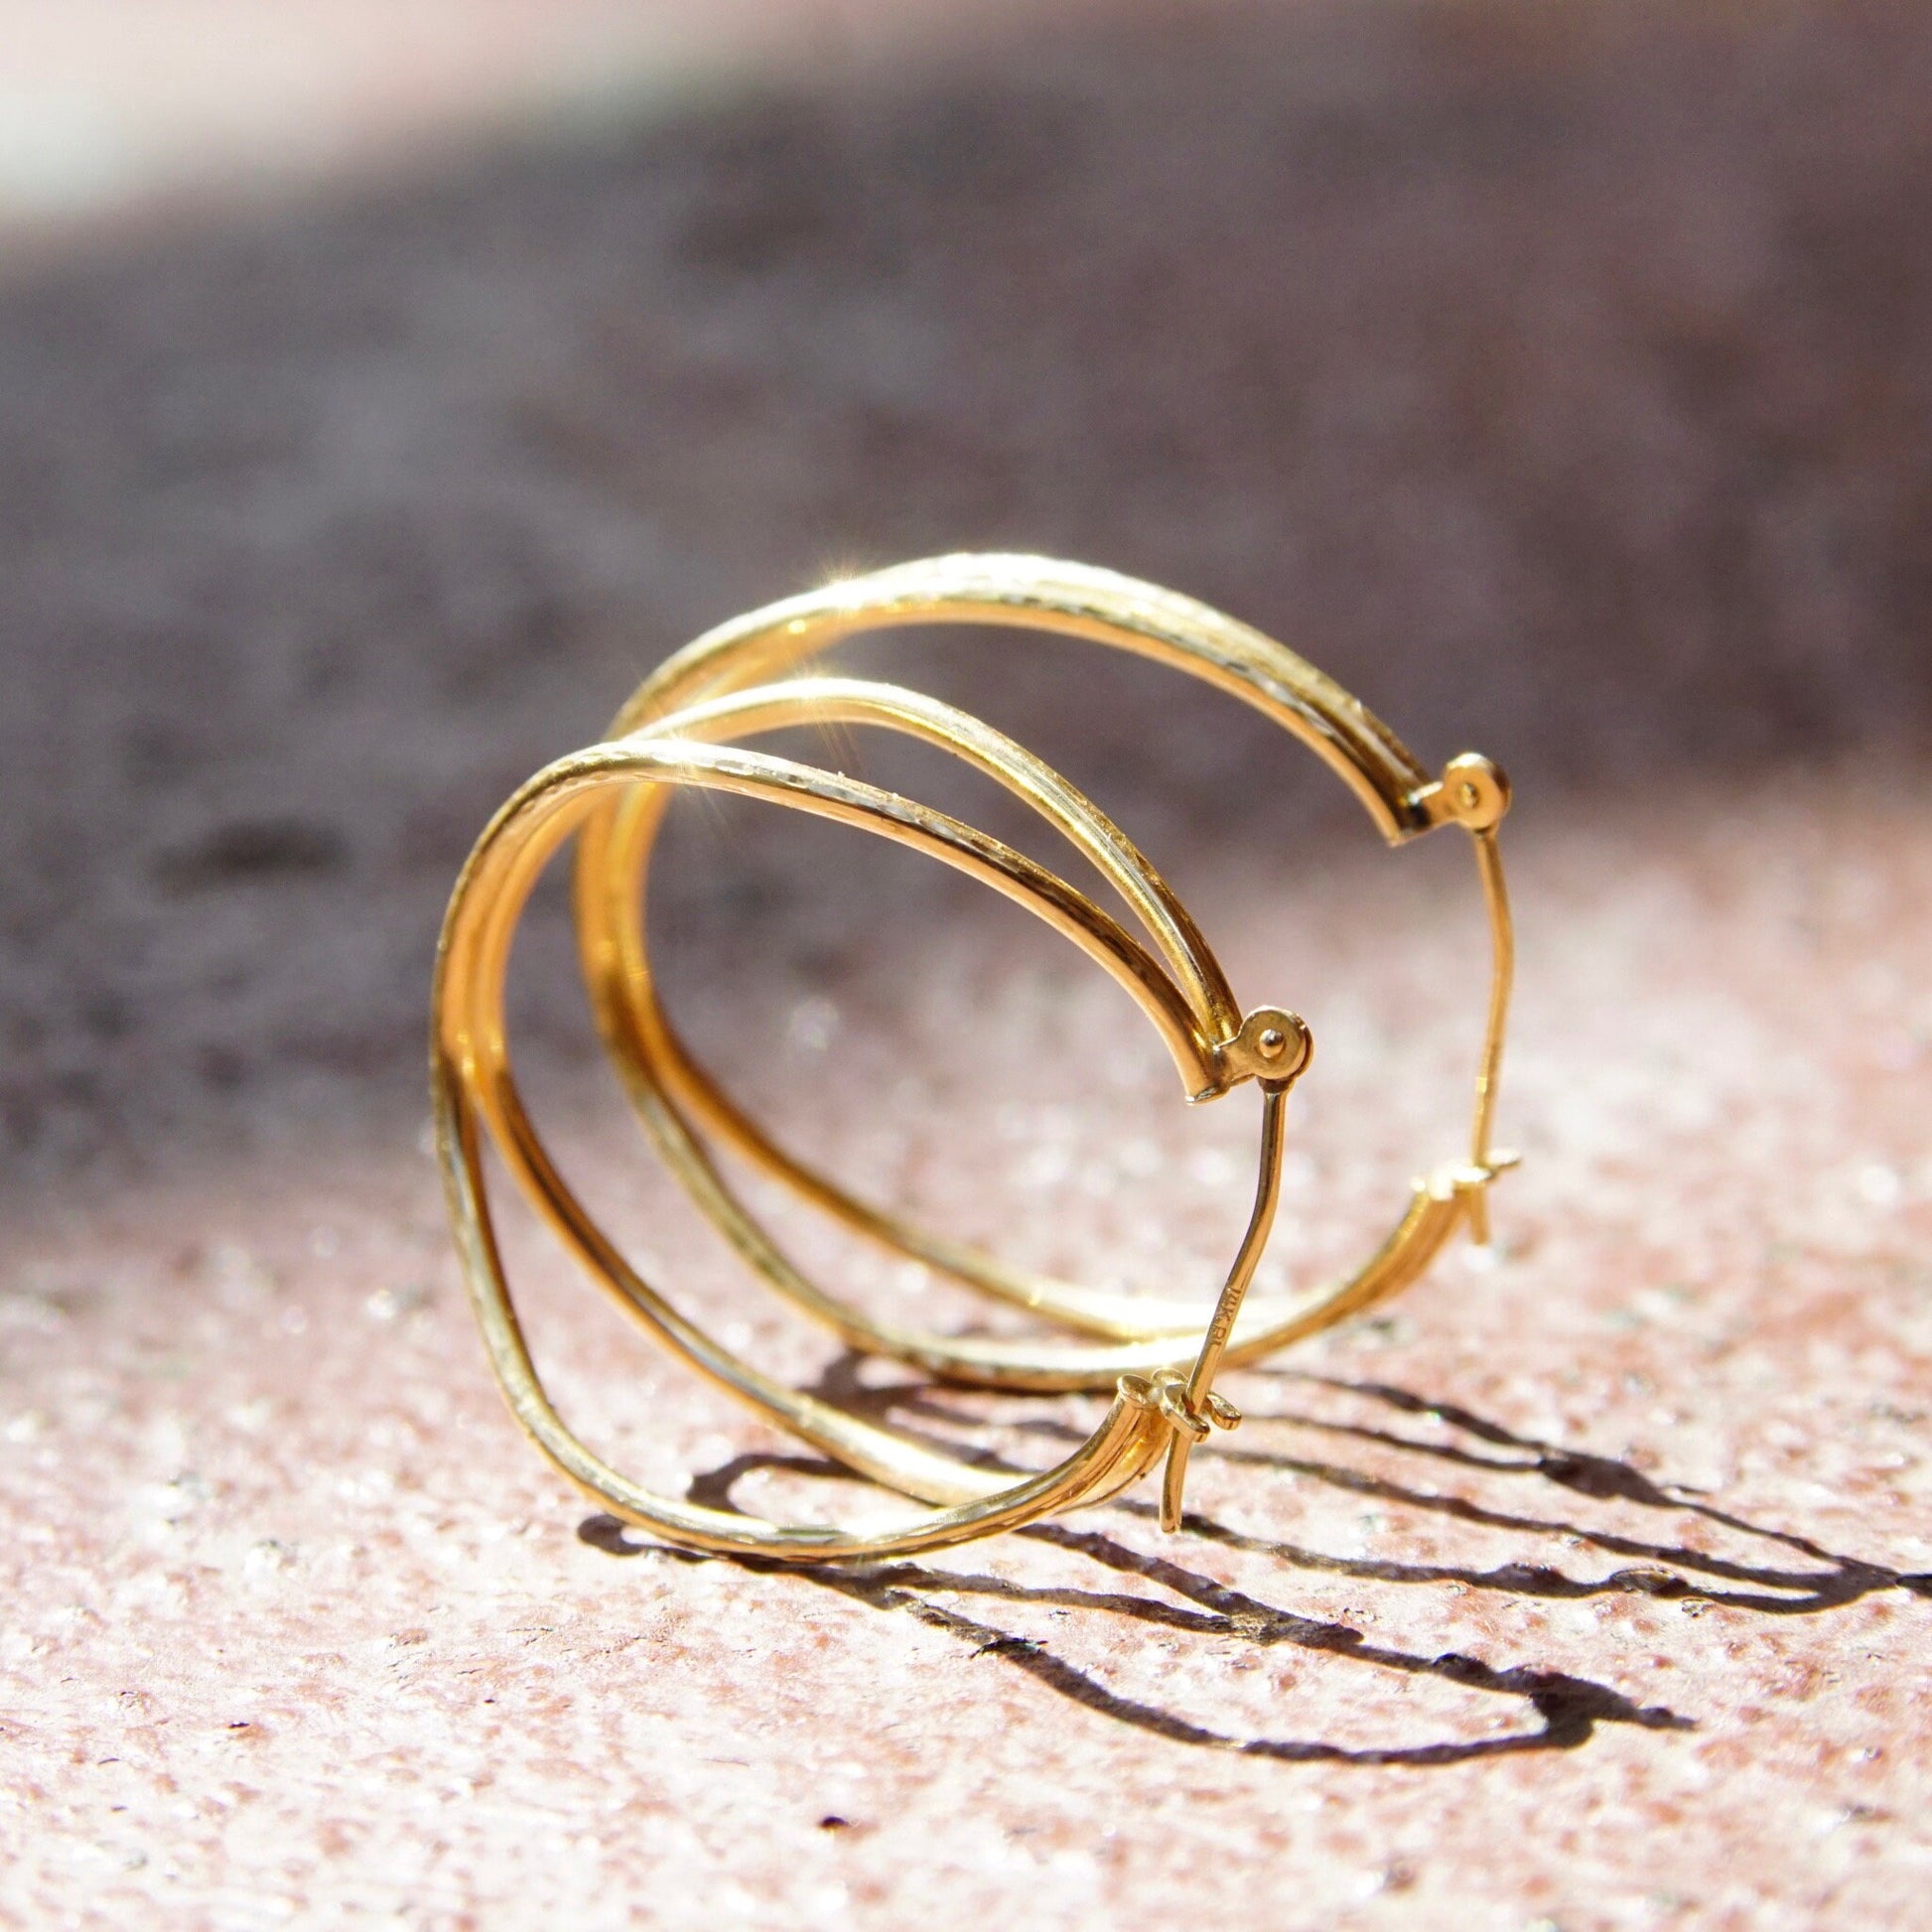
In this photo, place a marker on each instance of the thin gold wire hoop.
(679, 731)
(476, 1095)
(710, 687)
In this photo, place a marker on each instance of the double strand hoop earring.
(687, 725)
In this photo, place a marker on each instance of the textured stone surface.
(1585, 1588)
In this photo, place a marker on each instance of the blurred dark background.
(1560, 379)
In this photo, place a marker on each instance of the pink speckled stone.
(1584, 1591)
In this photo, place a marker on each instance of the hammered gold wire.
(1153, 1353)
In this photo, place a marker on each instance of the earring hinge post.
(1198, 1400)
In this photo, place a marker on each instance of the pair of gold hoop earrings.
(685, 727)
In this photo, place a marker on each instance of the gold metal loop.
(683, 730)
(680, 1100)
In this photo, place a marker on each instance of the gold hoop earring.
(683, 729)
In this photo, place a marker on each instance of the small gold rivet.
(1470, 796)
(1272, 1043)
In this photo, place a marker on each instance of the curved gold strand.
(1067, 600)
(835, 700)
(659, 1070)
(472, 1083)
(469, 1018)
(1479, 794)
(1200, 1058)
(1127, 1441)
(471, 1044)
(668, 1089)
(1026, 1364)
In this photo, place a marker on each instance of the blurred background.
(384, 388)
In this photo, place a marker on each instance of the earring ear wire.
(687, 727)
